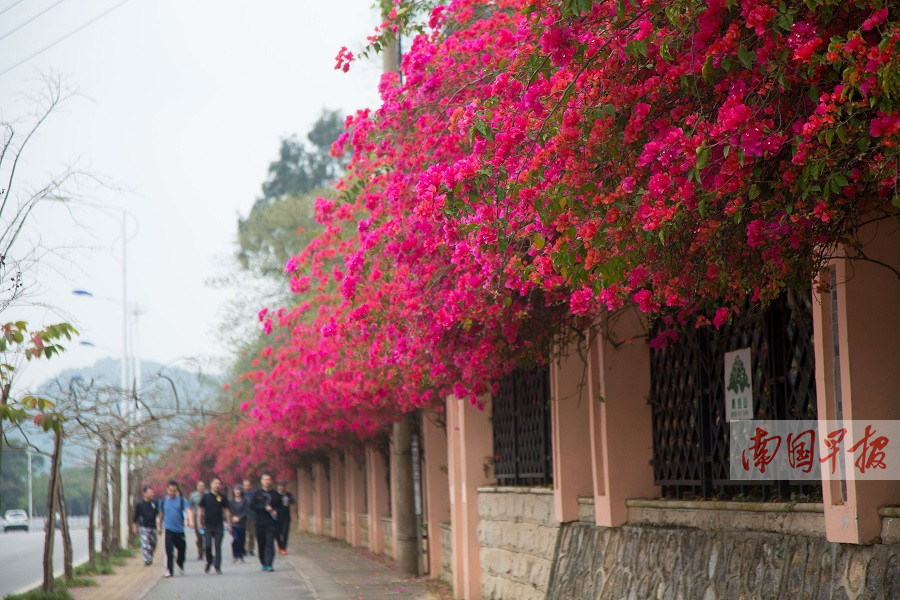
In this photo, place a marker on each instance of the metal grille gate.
(687, 396)
(521, 422)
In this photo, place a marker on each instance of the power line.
(43, 12)
(13, 5)
(63, 38)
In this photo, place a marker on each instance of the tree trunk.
(105, 544)
(115, 482)
(134, 486)
(4, 397)
(64, 528)
(49, 528)
(92, 512)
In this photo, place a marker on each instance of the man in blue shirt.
(174, 513)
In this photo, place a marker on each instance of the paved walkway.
(131, 581)
(315, 569)
(338, 572)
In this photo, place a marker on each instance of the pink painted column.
(437, 485)
(376, 496)
(304, 498)
(570, 422)
(620, 419)
(356, 479)
(320, 498)
(856, 328)
(471, 449)
(337, 495)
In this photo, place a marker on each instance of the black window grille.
(521, 422)
(687, 395)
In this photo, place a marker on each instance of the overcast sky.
(182, 107)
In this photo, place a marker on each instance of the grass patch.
(74, 583)
(38, 594)
(100, 567)
(60, 590)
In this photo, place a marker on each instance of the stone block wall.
(387, 535)
(311, 524)
(446, 552)
(668, 563)
(517, 533)
(363, 529)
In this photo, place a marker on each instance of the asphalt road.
(20, 557)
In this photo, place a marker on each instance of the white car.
(15, 519)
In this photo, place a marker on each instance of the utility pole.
(30, 490)
(402, 475)
(126, 404)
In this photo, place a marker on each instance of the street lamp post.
(126, 413)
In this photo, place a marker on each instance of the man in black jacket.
(284, 516)
(264, 504)
(144, 524)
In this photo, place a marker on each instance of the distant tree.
(281, 223)
(304, 166)
(77, 483)
(14, 476)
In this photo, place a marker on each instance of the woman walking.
(240, 508)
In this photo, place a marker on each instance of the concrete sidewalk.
(315, 569)
(337, 572)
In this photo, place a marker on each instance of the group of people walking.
(258, 517)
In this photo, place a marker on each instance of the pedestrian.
(250, 544)
(214, 512)
(144, 524)
(240, 508)
(194, 499)
(264, 504)
(174, 514)
(284, 516)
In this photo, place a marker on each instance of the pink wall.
(868, 330)
(471, 450)
(621, 428)
(320, 497)
(571, 431)
(436, 484)
(377, 497)
(304, 497)
(355, 477)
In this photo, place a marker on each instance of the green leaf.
(753, 193)
(702, 156)
(707, 68)
(814, 94)
(842, 134)
(829, 137)
(609, 110)
(747, 57)
(538, 241)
